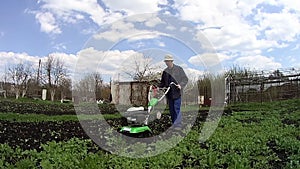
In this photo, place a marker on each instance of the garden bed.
(265, 137)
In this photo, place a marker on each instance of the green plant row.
(16, 117)
(48, 108)
(266, 106)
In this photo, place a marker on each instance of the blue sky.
(21, 32)
(260, 35)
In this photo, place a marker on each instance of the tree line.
(24, 79)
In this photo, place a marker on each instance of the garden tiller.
(138, 117)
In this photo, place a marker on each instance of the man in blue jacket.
(174, 73)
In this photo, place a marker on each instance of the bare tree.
(19, 74)
(277, 74)
(4, 80)
(141, 68)
(190, 92)
(90, 86)
(98, 84)
(55, 71)
(65, 87)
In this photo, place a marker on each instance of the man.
(174, 73)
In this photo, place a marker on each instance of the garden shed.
(130, 93)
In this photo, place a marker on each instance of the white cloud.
(238, 27)
(117, 31)
(104, 62)
(223, 57)
(55, 13)
(205, 59)
(69, 60)
(72, 11)
(257, 62)
(60, 46)
(121, 25)
(290, 5)
(48, 22)
(130, 34)
(122, 30)
(135, 6)
(14, 58)
(209, 13)
(143, 35)
(153, 22)
(127, 28)
(193, 74)
(282, 26)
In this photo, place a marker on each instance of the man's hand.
(179, 87)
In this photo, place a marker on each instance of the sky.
(107, 35)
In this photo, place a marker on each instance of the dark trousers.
(174, 106)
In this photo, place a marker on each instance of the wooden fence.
(263, 88)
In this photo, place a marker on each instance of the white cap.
(168, 57)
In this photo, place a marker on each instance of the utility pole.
(38, 73)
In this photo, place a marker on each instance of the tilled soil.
(30, 135)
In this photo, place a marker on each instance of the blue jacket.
(177, 75)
